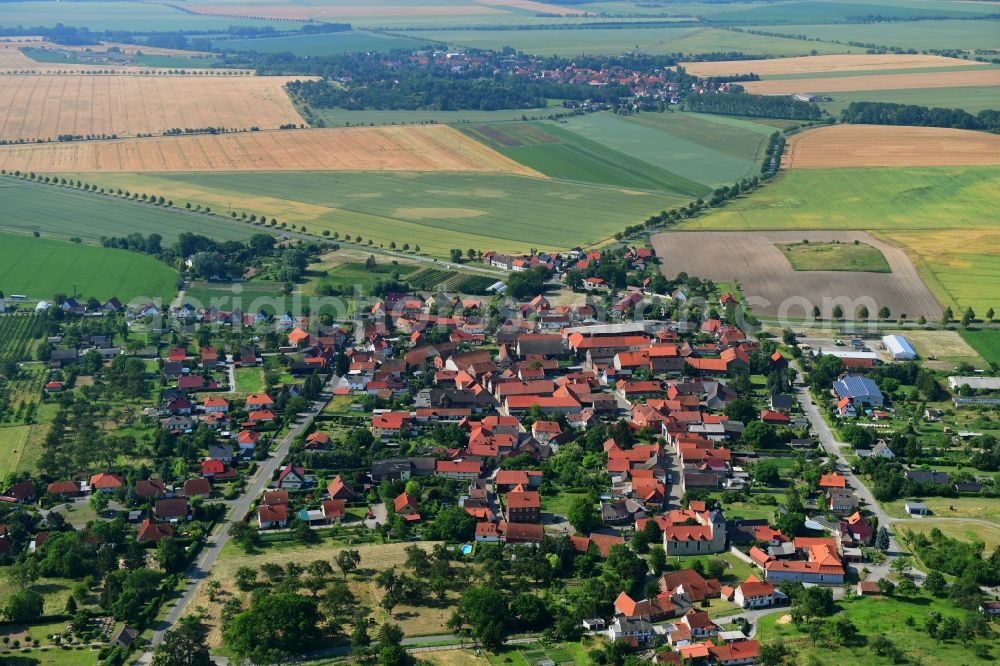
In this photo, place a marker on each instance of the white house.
(899, 348)
(753, 593)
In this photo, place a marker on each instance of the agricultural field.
(877, 616)
(45, 106)
(117, 15)
(773, 288)
(248, 296)
(889, 146)
(980, 34)
(350, 41)
(975, 508)
(923, 210)
(961, 266)
(946, 78)
(987, 343)
(59, 212)
(566, 154)
(948, 347)
(613, 41)
(824, 64)
(973, 99)
(835, 256)
(412, 148)
(40, 267)
(350, 118)
(436, 211)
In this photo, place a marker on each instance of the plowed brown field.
(410, 148)
(889, 146)
(773, 289)
(956, 79)
(823, 63)
(45, 106)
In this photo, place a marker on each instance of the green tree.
(968, 317)
(184, 645)
(275, 626)
(935, 583)
(245, 535)
(838, 312)
(170, 555)
(24, 607)
(348, 560)
(583, 515)
(486, 612)
(884, 312)
(741, 409)
(456, 255)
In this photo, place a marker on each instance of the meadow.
(433, 210)
(561, 153)
(247, 296)
(977, 508)
(63, 213)
(351, 41)
(902, 205)
(980, 34)
(348, 118)
(39, 268)
(898, 619)
(835, 256)
(987, 343)
(956, 529)
(613, 41)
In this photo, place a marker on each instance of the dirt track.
(409, 148)
(823, 63)
(888, 146)
(773, 289)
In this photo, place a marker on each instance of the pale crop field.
(941, 79)
(409, 148)
(45, 106)
(889, 146)
(822, 64)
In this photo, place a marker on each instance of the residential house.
(406, 506)
(291, 477)
(523, 506)
(197, 488)
(171, 510)
(860, 390)
(754, 593)
(272, 516)
(338, 489)
(150, 530)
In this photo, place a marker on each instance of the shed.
(899, 348)
(916, 509)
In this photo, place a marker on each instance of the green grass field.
(932, 213)
(248, 296)
(831, 12)
(116, 15)
(567, 154)
(907, 35)
(956, 529)
(981, 508)
(12, 445)
(987, 343)
(351, 41)
(171, 61)
(63, 213)
(972, 99)
(345, 276)
(346, 118)
(436, 211)
(249, 380)
(834, 257)
(711, 150)
(613, 41)
(40, 268)
(875, 616)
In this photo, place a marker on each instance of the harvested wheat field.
(402, 148)
(45, 106)
(838, 146)
(945, 79)
(822, 64)
(773, 289)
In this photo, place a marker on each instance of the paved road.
(202, 567)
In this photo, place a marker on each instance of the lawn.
(13, 440)
(834, 256)
(249, 380)
(956, 529)
(64, 213)
(987, 343)
(560, 503)
(345, 276)
(558, 153)
(55, 591)
(875, 616)
(971, 98)
(436, 211)
(40, 268)
(77, 656)
(350, 41)
(982, 508)
(932, 213)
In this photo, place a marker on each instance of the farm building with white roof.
(899, 348)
